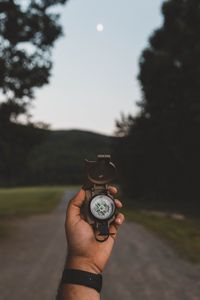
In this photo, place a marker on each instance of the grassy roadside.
(183, 235)
(20, 202)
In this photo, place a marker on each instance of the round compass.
(102, 207)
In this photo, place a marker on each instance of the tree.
(163, 139)
(170, 66)
(124, 125)
(28, 31)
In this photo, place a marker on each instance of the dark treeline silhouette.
(33, 156)
(16, 144)
(28, 31)
(159, 155)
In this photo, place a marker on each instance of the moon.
(100, 27)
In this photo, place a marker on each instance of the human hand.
(84, 252)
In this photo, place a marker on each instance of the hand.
(84, 252)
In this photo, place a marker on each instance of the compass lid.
(101, 171)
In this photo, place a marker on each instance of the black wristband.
(91, 280)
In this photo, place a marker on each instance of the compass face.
(102, 207)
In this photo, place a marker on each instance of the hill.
(32, 156)
(60, 158)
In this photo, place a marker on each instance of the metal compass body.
(99, 208)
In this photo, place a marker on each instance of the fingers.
(119, 219)
(118, 203)
(113, 190)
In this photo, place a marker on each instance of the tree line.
(159, 153)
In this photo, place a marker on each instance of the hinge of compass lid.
(104, 156)
(99, 189)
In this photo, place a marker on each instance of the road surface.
(141, 268)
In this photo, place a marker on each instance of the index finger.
(112, 189)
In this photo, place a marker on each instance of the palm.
(84, 244)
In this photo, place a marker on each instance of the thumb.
(78, 199)
(75, 204)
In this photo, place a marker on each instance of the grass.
(20, 202)
(182, 235)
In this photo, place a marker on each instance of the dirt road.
(31, 261)
(141, 268)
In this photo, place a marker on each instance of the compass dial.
(102, 207)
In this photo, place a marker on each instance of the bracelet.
(91, 280)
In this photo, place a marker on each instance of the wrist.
(82, 263)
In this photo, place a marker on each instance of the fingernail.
(119, 221)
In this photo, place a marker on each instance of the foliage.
(28, 30)
(123, 125)
(16, 142)
(159, 159)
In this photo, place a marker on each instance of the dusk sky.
(94, 74)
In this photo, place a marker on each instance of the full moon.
(100, 27)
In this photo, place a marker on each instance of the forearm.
(76, 292)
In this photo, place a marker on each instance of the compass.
(99, 207)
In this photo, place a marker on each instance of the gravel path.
(141, 268)
(31, 261)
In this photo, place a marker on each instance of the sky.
(94, 77)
